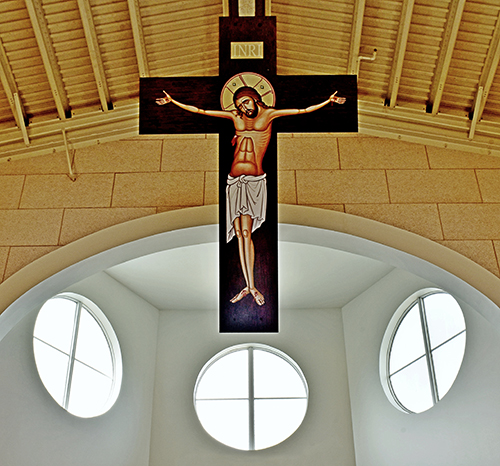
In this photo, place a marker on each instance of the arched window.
(422, 351)
(251, 397)
(77, 355)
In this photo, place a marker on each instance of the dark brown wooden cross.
(241, 39)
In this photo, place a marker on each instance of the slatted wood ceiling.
(70, 68)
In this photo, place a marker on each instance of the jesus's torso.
(252, 138)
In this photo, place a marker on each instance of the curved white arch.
(45, 277)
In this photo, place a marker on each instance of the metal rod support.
(360, 58)
(475, 116)
(71, 175)
(20, 118)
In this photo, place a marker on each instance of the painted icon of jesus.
(246, 190)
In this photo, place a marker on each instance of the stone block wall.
(447, 196)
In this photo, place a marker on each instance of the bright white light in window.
(447, 361)
(251, 397)
(412, 387)
(408, 343)
(290, 414)
(77, 355)
(425, 349)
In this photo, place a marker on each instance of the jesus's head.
(247, 100)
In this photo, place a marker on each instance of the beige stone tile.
(54, 191)
(481, 252)
(287, 192)
(30, 227)
(336, 207)
(341, 186)
(119, 157)
(211, 188)
(82, 222)
(372, 152)
(422, 219)
(36, 165)
(20, 257)
(496, 247)
(432, 186)
(447, 158)
(11, 187)
(193, 154)
(470, 221)
(159, 189)
(4, 253)
(304, 153)
(489, 184)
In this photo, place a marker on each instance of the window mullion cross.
(69, 375)
(428, 352)
(251, 401)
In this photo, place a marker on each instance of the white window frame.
(384, 359)
(113, 345)
(250, 347)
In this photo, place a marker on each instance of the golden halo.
(254, 80)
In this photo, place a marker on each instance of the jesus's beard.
(251, 113)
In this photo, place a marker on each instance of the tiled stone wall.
(450, 197)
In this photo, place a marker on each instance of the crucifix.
(247, 105)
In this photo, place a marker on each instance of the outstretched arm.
(332, 99)
(190, 108)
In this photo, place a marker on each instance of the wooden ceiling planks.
(180, 38)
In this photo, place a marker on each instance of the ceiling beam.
(355, 42)
(139, 42)
(10, 87)
(487, 75)
(95, 54)
(42, 35)
(445, 54)
(399, 52)
(375, 119)
(413, 125)
(82, 130)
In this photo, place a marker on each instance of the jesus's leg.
(249, 257)
(241, 249)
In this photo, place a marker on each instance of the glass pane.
(55, 323)
(226, 421)
(408, 344)
(447, 361)
(444, 317)
(92, 346)
(226, 378)
(52, 367)
(276, 420)
(89, 392)
(275, 377)
(412, 387)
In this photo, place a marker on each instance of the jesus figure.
(246, 191)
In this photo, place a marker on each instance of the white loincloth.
(245, 195)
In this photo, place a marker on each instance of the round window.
(251, 397)
(77, 355)
(423, 350)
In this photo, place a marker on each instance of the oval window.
(77, 355)
(423, 350)
(251, 397)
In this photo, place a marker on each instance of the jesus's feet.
(257, 296)
(244, 292)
